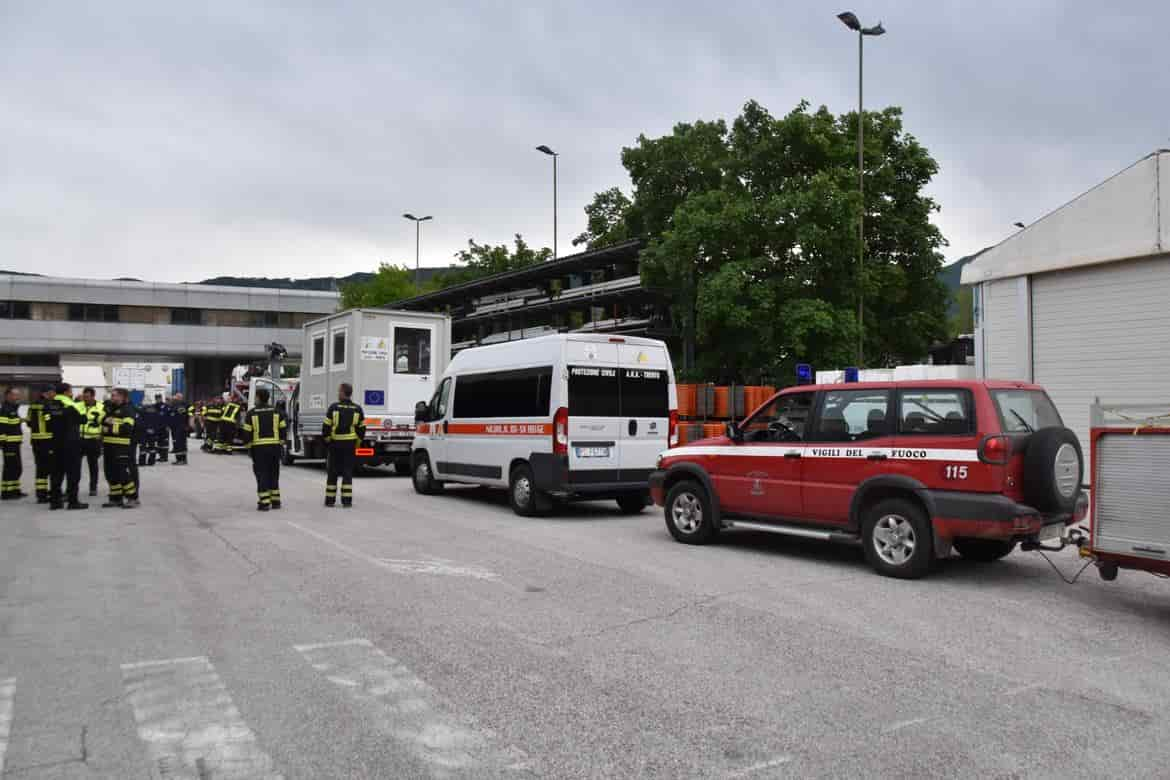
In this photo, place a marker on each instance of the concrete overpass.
(209, 328)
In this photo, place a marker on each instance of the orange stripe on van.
(424, 427)
(500, 429)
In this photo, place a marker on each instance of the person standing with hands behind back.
(263, 429)
(91, 434)
(343, 428)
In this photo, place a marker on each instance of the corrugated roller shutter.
(1102, 332)
(1003, 331)
(1133, 494)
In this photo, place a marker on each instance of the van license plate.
(592, 452)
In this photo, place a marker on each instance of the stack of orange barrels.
(704, 408)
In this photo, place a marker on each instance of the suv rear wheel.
(984, 550)
(688, 513)
(898, 539)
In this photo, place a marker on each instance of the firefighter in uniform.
(344, 427)
(118, 443)
(225, 444)
(91, 435)
(212, 411)
(180, 420)
(10, 440)
(65, 422)
(42, 444)
(263, 429)
(146, 434)
(162, 429)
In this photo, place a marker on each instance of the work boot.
(131, 503)
(42, 499)
(275, 505)
(330, 502)
(77, 505)
(112, 503)
(56, 505)
(347, 505)
(261, 507)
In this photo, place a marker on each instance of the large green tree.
(391, 283)
(753, 229)
(481, 260)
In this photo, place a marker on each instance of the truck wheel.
(525, 499)
(984, 550)
(1053, 468)
(898, 539)
(423, 478)
(688, 514)
(632, 503)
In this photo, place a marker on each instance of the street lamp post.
(417, 222)
(553, 155)
(850, 20)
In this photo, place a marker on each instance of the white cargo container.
(392, 358)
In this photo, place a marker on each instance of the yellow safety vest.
(92, 427)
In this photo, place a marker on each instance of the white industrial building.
(1079, 301)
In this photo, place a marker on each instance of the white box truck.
(392, 358)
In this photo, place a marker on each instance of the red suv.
(908, 470)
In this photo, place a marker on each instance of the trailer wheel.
(423, 478)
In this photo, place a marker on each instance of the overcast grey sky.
(177, 141)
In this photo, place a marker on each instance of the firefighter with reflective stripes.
(212, 412)
(344, 428)
(42, 444)
(10, 441)
(263, 429)
(117, 440)
(180, 422)
(91, 435)
(225, 443)
(65, 419)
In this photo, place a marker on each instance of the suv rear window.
(936, 412)
(1024, 411)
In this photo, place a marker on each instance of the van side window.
(931, 412)
(497, 394)
(441, 397)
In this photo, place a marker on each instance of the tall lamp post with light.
(553, 155)
(850, 20)
(417, 222)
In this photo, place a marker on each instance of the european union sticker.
(375, 398)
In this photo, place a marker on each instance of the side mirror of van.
(734, 433)
(421, 412)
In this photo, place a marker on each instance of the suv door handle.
(792, 454)
(877, 456)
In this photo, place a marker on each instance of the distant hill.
(949, 275)
(322, 283)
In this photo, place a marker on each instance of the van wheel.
(632, 503)
(526, 500)
(898, 539)
(983, 550)
(423, 478)
(688, 514)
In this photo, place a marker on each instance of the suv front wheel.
(688, 513)
(898, 539)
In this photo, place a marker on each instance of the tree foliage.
(391, 283)
(484, 260)
(753, 229)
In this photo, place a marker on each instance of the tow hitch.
(1075, 537)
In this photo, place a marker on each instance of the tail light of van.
(996, 449)
(672, 429)
(560, 434)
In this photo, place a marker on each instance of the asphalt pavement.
(443, 636)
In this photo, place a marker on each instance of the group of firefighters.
(66, 431)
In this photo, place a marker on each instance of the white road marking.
(403, 706)
(402, 566)
(901, 724)
(190, 724)
(760, 767)
(7, 694)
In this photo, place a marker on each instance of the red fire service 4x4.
(906, 469)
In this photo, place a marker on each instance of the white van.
(566, 416)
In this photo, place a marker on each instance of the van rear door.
(644, 386)
(594, 411)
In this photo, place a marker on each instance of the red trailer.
(1130, 489)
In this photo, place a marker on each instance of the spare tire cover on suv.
(1053, 469)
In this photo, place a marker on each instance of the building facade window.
(15, 310)
(93, 312)
(186, 316)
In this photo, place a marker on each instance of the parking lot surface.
(446, 637)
